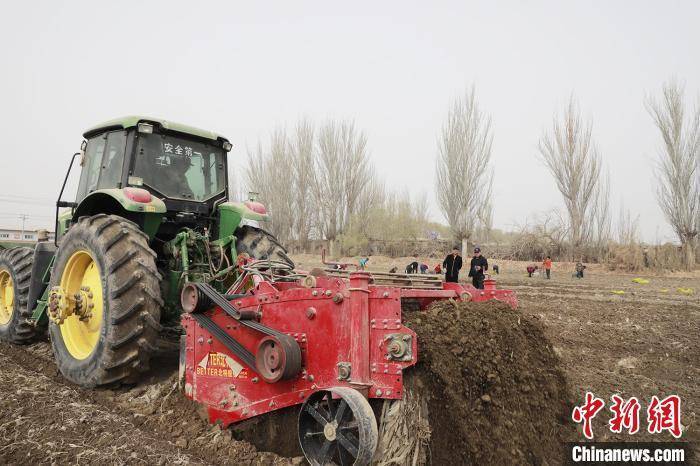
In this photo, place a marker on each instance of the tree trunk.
(465, 247)
(688, 255)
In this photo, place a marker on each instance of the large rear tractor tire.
(259, 244)
(15, 275)
(105, 302)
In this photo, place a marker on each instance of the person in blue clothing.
(363, 262)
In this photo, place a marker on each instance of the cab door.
(102, 164)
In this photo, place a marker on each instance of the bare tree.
(302, 148)
(329, 181)
(542, 236)
(601, 232)
(268, 174)
(342, 174)
(421, 209)
(677, 173)
(463, 174)
(485, 216)
(282, 185)
(372, 199)
(236, 182)
(627, 228)
(573, 160)
(256, 172)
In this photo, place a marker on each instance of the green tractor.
(152, 212)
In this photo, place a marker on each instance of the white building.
(28, 236)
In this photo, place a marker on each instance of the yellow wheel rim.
(81, 274)
(7, 297)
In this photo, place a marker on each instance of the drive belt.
(229, 309)
(228, 341)
(291, 346)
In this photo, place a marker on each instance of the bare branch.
(268, 174)
(342, 173)
(573, 160)
(302, 148)
(463, 176)
(677, 173)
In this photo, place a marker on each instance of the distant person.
(412, 267)
(547, 266)
(579, 269)
(478, 267)
(424, 268)
(495, 269)
(363, 262)
(530, 270)
(438, 269)
(452, 264)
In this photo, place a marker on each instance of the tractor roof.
(133, 120)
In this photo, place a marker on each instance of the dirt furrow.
(46, 420)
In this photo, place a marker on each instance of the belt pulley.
(278, 356)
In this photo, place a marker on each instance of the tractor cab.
(151, 166)
(177, 163)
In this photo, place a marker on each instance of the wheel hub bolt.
(329, 431)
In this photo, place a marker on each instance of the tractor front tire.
(106, 263)
(259, 244)
(15, 275)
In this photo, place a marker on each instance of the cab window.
(180, 168)
(112, 160)
(91, 164)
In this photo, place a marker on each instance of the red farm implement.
(329, 340)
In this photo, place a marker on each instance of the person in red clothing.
(547, 266)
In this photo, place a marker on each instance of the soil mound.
(493, 386)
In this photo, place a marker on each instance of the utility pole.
(24, 218)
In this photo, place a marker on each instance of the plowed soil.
(44, 420)
(501, 383)
(497, 394)
(642, 343)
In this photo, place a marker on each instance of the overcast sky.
(243, 68)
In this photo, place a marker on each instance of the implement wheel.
(104, 305)
(337, 426)
(15, 274)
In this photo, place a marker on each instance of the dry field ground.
(640, 343)
(644, 341)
